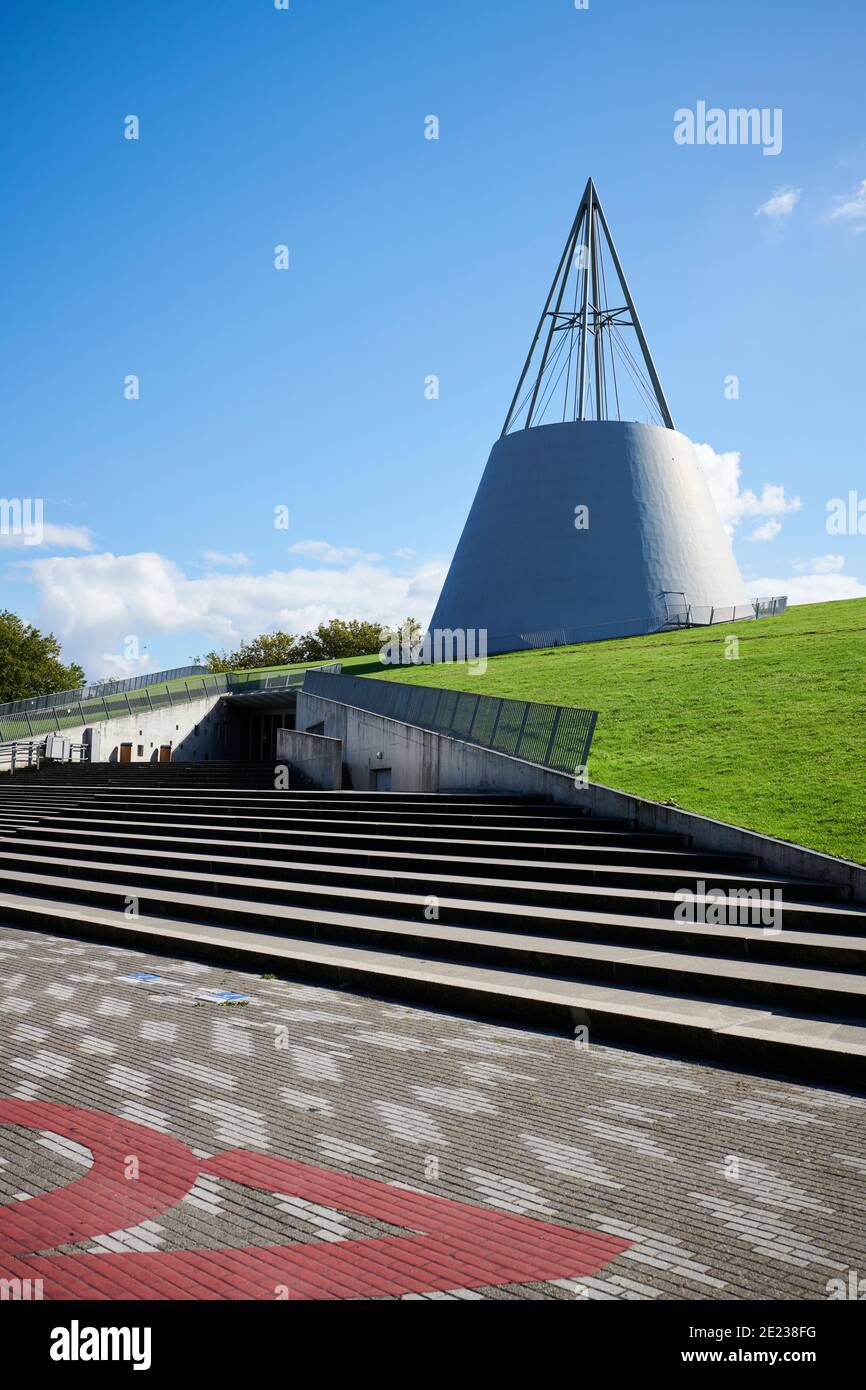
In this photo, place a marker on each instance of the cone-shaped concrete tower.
(588, 523)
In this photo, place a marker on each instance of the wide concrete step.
(192, 771)
(502, 880)
(148, 771)
(409, 824)
(30, 778)
(255, 796)
(276, 810)
(460, 858)
(383, 802)
(335, 912)
(276, 806)
(295, 834)
(758, 1035)
(547, 902)
(837, 940)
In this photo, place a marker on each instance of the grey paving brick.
(511, 1119)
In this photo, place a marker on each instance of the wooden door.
(165, 753)
(126, 752)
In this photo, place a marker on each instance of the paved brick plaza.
(686, 1181)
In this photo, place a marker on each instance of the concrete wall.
(522, 568)
(317, 757)
(773, 856)
(195, 730)
(420, 760)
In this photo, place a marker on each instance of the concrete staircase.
(504, 906)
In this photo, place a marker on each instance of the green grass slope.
(774, 740)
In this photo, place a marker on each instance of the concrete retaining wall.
(196, 731)
(773, 856)
(317, 757)
(420, 760)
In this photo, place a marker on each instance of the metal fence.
(678, 613)
(97, 690)
(698, 615)
(20, 753)
(56, 712)
(555, 736)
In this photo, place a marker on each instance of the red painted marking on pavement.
(450, 1245)
(103, 1199)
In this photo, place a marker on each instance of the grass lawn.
(774, 740)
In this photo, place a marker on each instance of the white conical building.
(589, 522)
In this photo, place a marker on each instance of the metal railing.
(705, 615)
(62, 712)
(555, 736)
(678, 612)
(97, 689)
(18, 753)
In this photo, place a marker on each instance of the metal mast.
(556, 366)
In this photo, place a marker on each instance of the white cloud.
(818, 581)
(93, 603)
(325, 552)
(809, 588)
(851, 208)
(768, 532)
(723, 474)
(781, 205)
(823, 564)
(119, 666)
(217, 559)
(51, 537)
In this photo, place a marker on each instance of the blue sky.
(409, 257)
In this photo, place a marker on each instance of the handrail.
(687, 614)
(98, 689)
(18, 753)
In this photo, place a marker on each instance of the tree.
(338, 638)
(30, 662)
(270, 649)
(332, 641)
